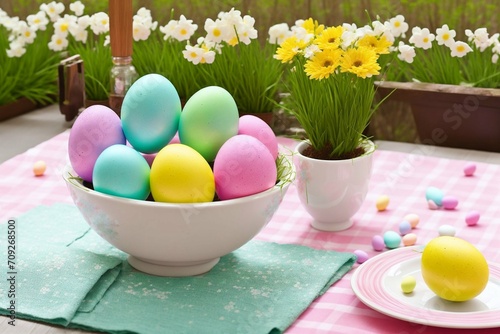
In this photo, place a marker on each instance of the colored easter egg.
(413, 219)
(409, 239)
(404, 227)
(378, 243)
(39, 168)
(408, 284)
(95, 129)
(243, 166)
(361, 256)
(122, 171)
(449, 202)
(150, 113)
(179, 174)
(472, 218)
(382, 202)
(256, 127)
(469, 169)
(392, 239)
(434, 194)
(447, 230)
(209, 118)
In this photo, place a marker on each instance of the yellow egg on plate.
(179, 174)
(454, 269)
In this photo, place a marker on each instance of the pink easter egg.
(243, 166)
(256, 127)
(472, 218)
(361, 256)
(449, 202)
(469, 169)
(378, 243)
(409, 239)
(95, 129)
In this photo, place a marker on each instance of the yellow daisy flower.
(289, 48)
(313, 27)
(361, 61)
(323, 64)
(330, 38)
(379, 45)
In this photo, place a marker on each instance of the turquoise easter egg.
(434, 194)
(122, 171)
(392, 239)
(209, 118)
(150, 113)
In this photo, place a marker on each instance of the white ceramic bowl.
(169, 239)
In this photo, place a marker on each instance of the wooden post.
(120, 27)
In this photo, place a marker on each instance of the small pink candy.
(449, 202)
(378, 243)
(432, 205)
(469, 169)
(361, 256)
(472, 218)
(410, 239)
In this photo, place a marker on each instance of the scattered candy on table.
(413, 219)
(361, 256)
(450, 202)
(447, 230)
(469, 169)
(404, 227)
(378, 243)
(472, 218)
(432, 205)
(382, 203)
(434, 194)
(409, 239)
(408, 284)
(39, 168)
(392, 239)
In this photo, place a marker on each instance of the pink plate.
(377, 283)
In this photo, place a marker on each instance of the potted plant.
(452, 86)
(24, 46)
(231, 56)
(330, 81)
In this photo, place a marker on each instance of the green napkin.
(260, 288)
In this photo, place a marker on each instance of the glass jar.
(123, 75)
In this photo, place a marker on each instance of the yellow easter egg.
(179, 174)
(408, 284)
(454, 269)
(382, 202)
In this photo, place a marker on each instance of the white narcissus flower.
(184, 29)
(16, 49)
(99, 23)
(10, 23)
(53, 10)
(216, 30)
(63, 24)
(422, 38)
(58, 43)
(140, 31)
(310, 50)
(302, 34)
(144, 17)
(398, 25)
(38, 21)
(494, 58)
(107, 40)
(479, 37)
(445, 36)
(278, 33)
(231, 18)
(406, 52)
(77, 7)
(246, 31)
(198, 55)
(26, 33)
(460, 49)
(168, 29)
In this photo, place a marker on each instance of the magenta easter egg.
(449, 202)
(472, 218)
(469, 169)
(256, 127)
(96, 128)
(243, 166)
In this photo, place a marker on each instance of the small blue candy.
(434, 194)
(404, 227)
(392, 239)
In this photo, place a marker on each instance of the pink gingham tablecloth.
(403, 177)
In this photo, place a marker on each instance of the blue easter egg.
(434, 194)
(150, 113)
(392, 239)
(122, 171)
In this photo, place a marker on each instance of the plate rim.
(405, 317)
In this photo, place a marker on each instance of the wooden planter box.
(450, 115)
(16, 108)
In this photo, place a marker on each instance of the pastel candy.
(472, 218)
(447, 230)
(404, 227)
(378, 243)
(413, 219)
(409, 239)
(382, 202)
(449, 202)
(408, 284)
(361, 256)
(469, 169)
(392, 239)
(434, 194)
(432, 205)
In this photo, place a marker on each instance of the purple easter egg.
(361, 256)
(378, 243)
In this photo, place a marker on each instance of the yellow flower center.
(397, 24)
(193, 54)
(460, 48)
(59, 42)
(357, 63)
(217, 32)
(331, 40)
(27, 33)
(64, 27)
(426, 40)
(104, 22)
(36, 21)
(446, 37)
(183, 31)
(327, 63)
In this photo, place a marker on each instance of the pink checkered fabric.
(403, 177)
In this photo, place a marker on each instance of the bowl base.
(332, 227)
(172, 269)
